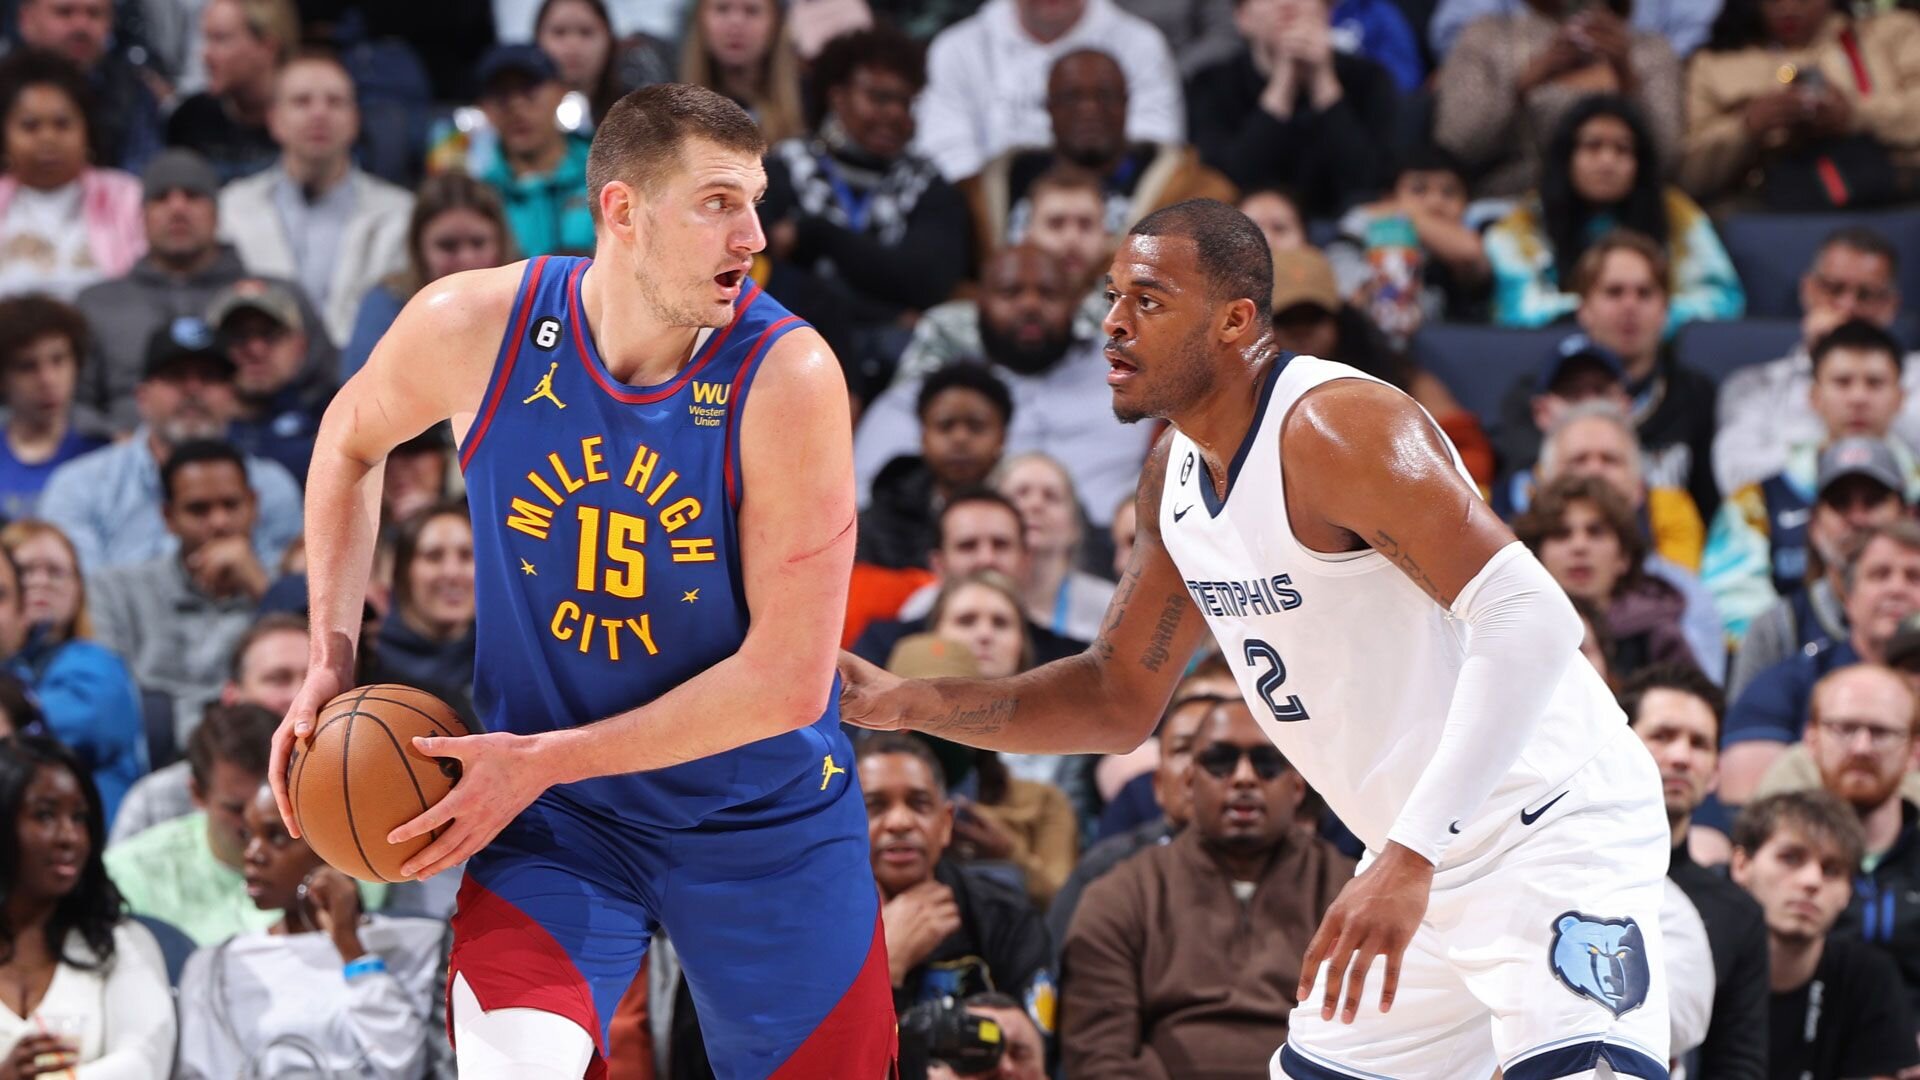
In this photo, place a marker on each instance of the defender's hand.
(1375, 915)
(870, 695)
(322, 685)
(498, 779)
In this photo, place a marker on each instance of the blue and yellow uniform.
(607, 572)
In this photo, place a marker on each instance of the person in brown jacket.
(1773, 83)
(1183, 961)
(1087, 104)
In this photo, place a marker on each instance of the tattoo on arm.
(1116, 614)
(1388, 546)
(1160, 647)
(986, 718)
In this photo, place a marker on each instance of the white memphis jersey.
(1347, 664)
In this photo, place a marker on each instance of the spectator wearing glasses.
(1765, 409)
(1184, 959)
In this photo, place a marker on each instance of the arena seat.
(1715, 349)
(1771, 251)
(1480, 363)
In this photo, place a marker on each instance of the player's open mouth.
(1118, 370)
(731, 279)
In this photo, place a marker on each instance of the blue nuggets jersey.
(606, 544)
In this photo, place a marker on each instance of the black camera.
(944, 1031)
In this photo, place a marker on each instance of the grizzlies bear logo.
(1601, 959)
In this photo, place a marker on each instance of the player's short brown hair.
(641, 138)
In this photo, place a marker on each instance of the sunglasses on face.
(1221, 759)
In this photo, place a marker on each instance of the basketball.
(358, 777)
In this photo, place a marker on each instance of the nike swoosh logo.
(1454, 828)
(1181, 511)
(1528, 819)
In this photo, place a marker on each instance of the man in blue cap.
(539, 170)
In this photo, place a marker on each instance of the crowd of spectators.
(212, 210)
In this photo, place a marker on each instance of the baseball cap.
(521, 59)
(181, 339)
(1859, 456)
(1578, 348)
(178, 170)
(269, 298)
(930, 656)
(1304, 276)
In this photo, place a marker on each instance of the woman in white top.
(328, 991)
(83, 989)
(1066, 601)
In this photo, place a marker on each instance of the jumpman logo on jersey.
(827, 771)
(545, 388)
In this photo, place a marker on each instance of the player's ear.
(619, 206)
(1239, 320)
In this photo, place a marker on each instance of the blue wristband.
(366, 965)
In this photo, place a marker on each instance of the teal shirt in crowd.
(548, 212)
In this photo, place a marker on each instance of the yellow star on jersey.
(527, 569)
(690, 597)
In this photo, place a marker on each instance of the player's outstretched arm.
(432, 364)
(1106, 700)
(1376, 472)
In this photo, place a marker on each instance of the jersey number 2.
(1259, 652)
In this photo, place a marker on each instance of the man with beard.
(1676, 711)
(1882, 589)
(1058, 382)
(1861, 738)
(1183, 960)
(108, 502)
(1087, 106)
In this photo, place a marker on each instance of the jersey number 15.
(627, 578)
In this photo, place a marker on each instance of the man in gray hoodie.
(183, 269)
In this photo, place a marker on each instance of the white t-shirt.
(43, 244)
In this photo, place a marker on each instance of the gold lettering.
(586, 634)
(613, 640)
(680, 513)
(643, 629)
(641, 471)
(590, 457)
(566, 612)
(560, 470)
(530, 518)
(693, 551)
(546, 489)
(665, 483)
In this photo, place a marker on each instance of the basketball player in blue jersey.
(658, 462)
(1405, 652)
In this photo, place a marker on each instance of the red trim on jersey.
(512, 962)
(859, 1036)
(633, 397)
(1861, 80)
(737, 402)
(505, 374)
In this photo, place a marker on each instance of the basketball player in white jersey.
(1408, 655)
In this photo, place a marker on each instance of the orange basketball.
(358, 777)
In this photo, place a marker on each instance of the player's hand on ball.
(497, 781)
(321, 686)
(1375, 915)
(865, 693)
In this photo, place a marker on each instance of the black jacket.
(1676, 431)
(1885, 911)
(1736, 1044)
(901, 525)
(1330, 159)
